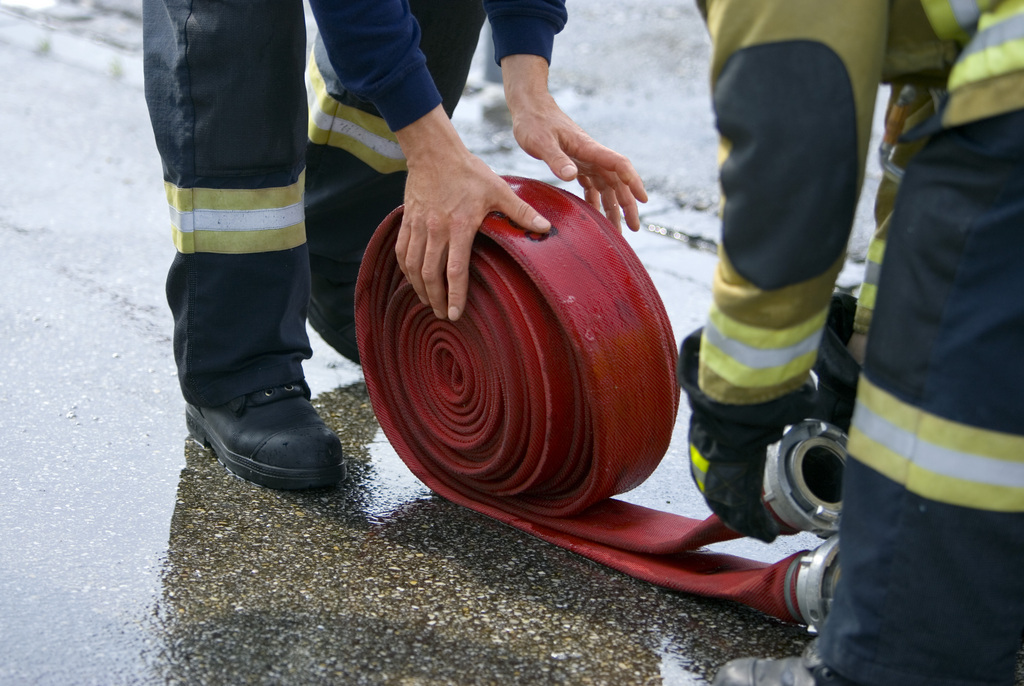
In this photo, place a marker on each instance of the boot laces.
(294, 389)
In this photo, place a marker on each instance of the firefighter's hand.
(545, 132)
(731, 482)
(447, 195)
(729, 446)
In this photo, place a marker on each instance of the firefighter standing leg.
(933, 529)
(794, 87)
(225, 93)
(933, 520)
(356, 171)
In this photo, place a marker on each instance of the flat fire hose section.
(552, 393)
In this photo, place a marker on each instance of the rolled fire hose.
(552, 393)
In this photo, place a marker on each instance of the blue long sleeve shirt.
(373, 46)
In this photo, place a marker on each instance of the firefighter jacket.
(794, 87)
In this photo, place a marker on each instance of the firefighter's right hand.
(731, 481)
(448, 193)
(729, 446)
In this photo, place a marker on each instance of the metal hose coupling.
(811, 583)
(803, 479)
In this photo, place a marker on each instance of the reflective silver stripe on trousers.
(760, 358)
(934, 458)
(237, 220)
(872, 271)
(381, 146)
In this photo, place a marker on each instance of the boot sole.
(268, 476)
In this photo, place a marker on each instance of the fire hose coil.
(552, 393)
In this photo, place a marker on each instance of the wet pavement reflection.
(341, 586)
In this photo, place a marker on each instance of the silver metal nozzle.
(811, 583)
(803, 479)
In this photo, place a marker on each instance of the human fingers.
(611, 176)
(632, 215)
(520, 211)
(627, 203)
(435, 257)
(409, 251)
(590, 193)
(560, 164)
(459, 251)
(610, 206)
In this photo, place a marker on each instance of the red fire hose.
(552, 393)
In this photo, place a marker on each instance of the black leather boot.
(332, 314)
(273, 438)
(806, 670)
(835, 368)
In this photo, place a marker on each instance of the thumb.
(520, 212)
(562, 166)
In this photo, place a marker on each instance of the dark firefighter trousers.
(932, 536)
(227, 98)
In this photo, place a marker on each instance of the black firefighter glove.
(729, 446)
(835, 368)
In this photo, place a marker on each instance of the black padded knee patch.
(791, 178)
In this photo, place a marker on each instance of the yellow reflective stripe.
(872, 270)
(761, 358)
(739, 375)
(723, 391)
(757, 337)
(363, 135)
(230, 220)
(868, 296)
(937, 458)
(952, 19)
(698, 466)
(754, 357)
(1002, 10)
(997, 48)
(239, 242)
(775, 309)
(189, 199)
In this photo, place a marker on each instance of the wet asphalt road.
(334, 588)
(129, 556)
